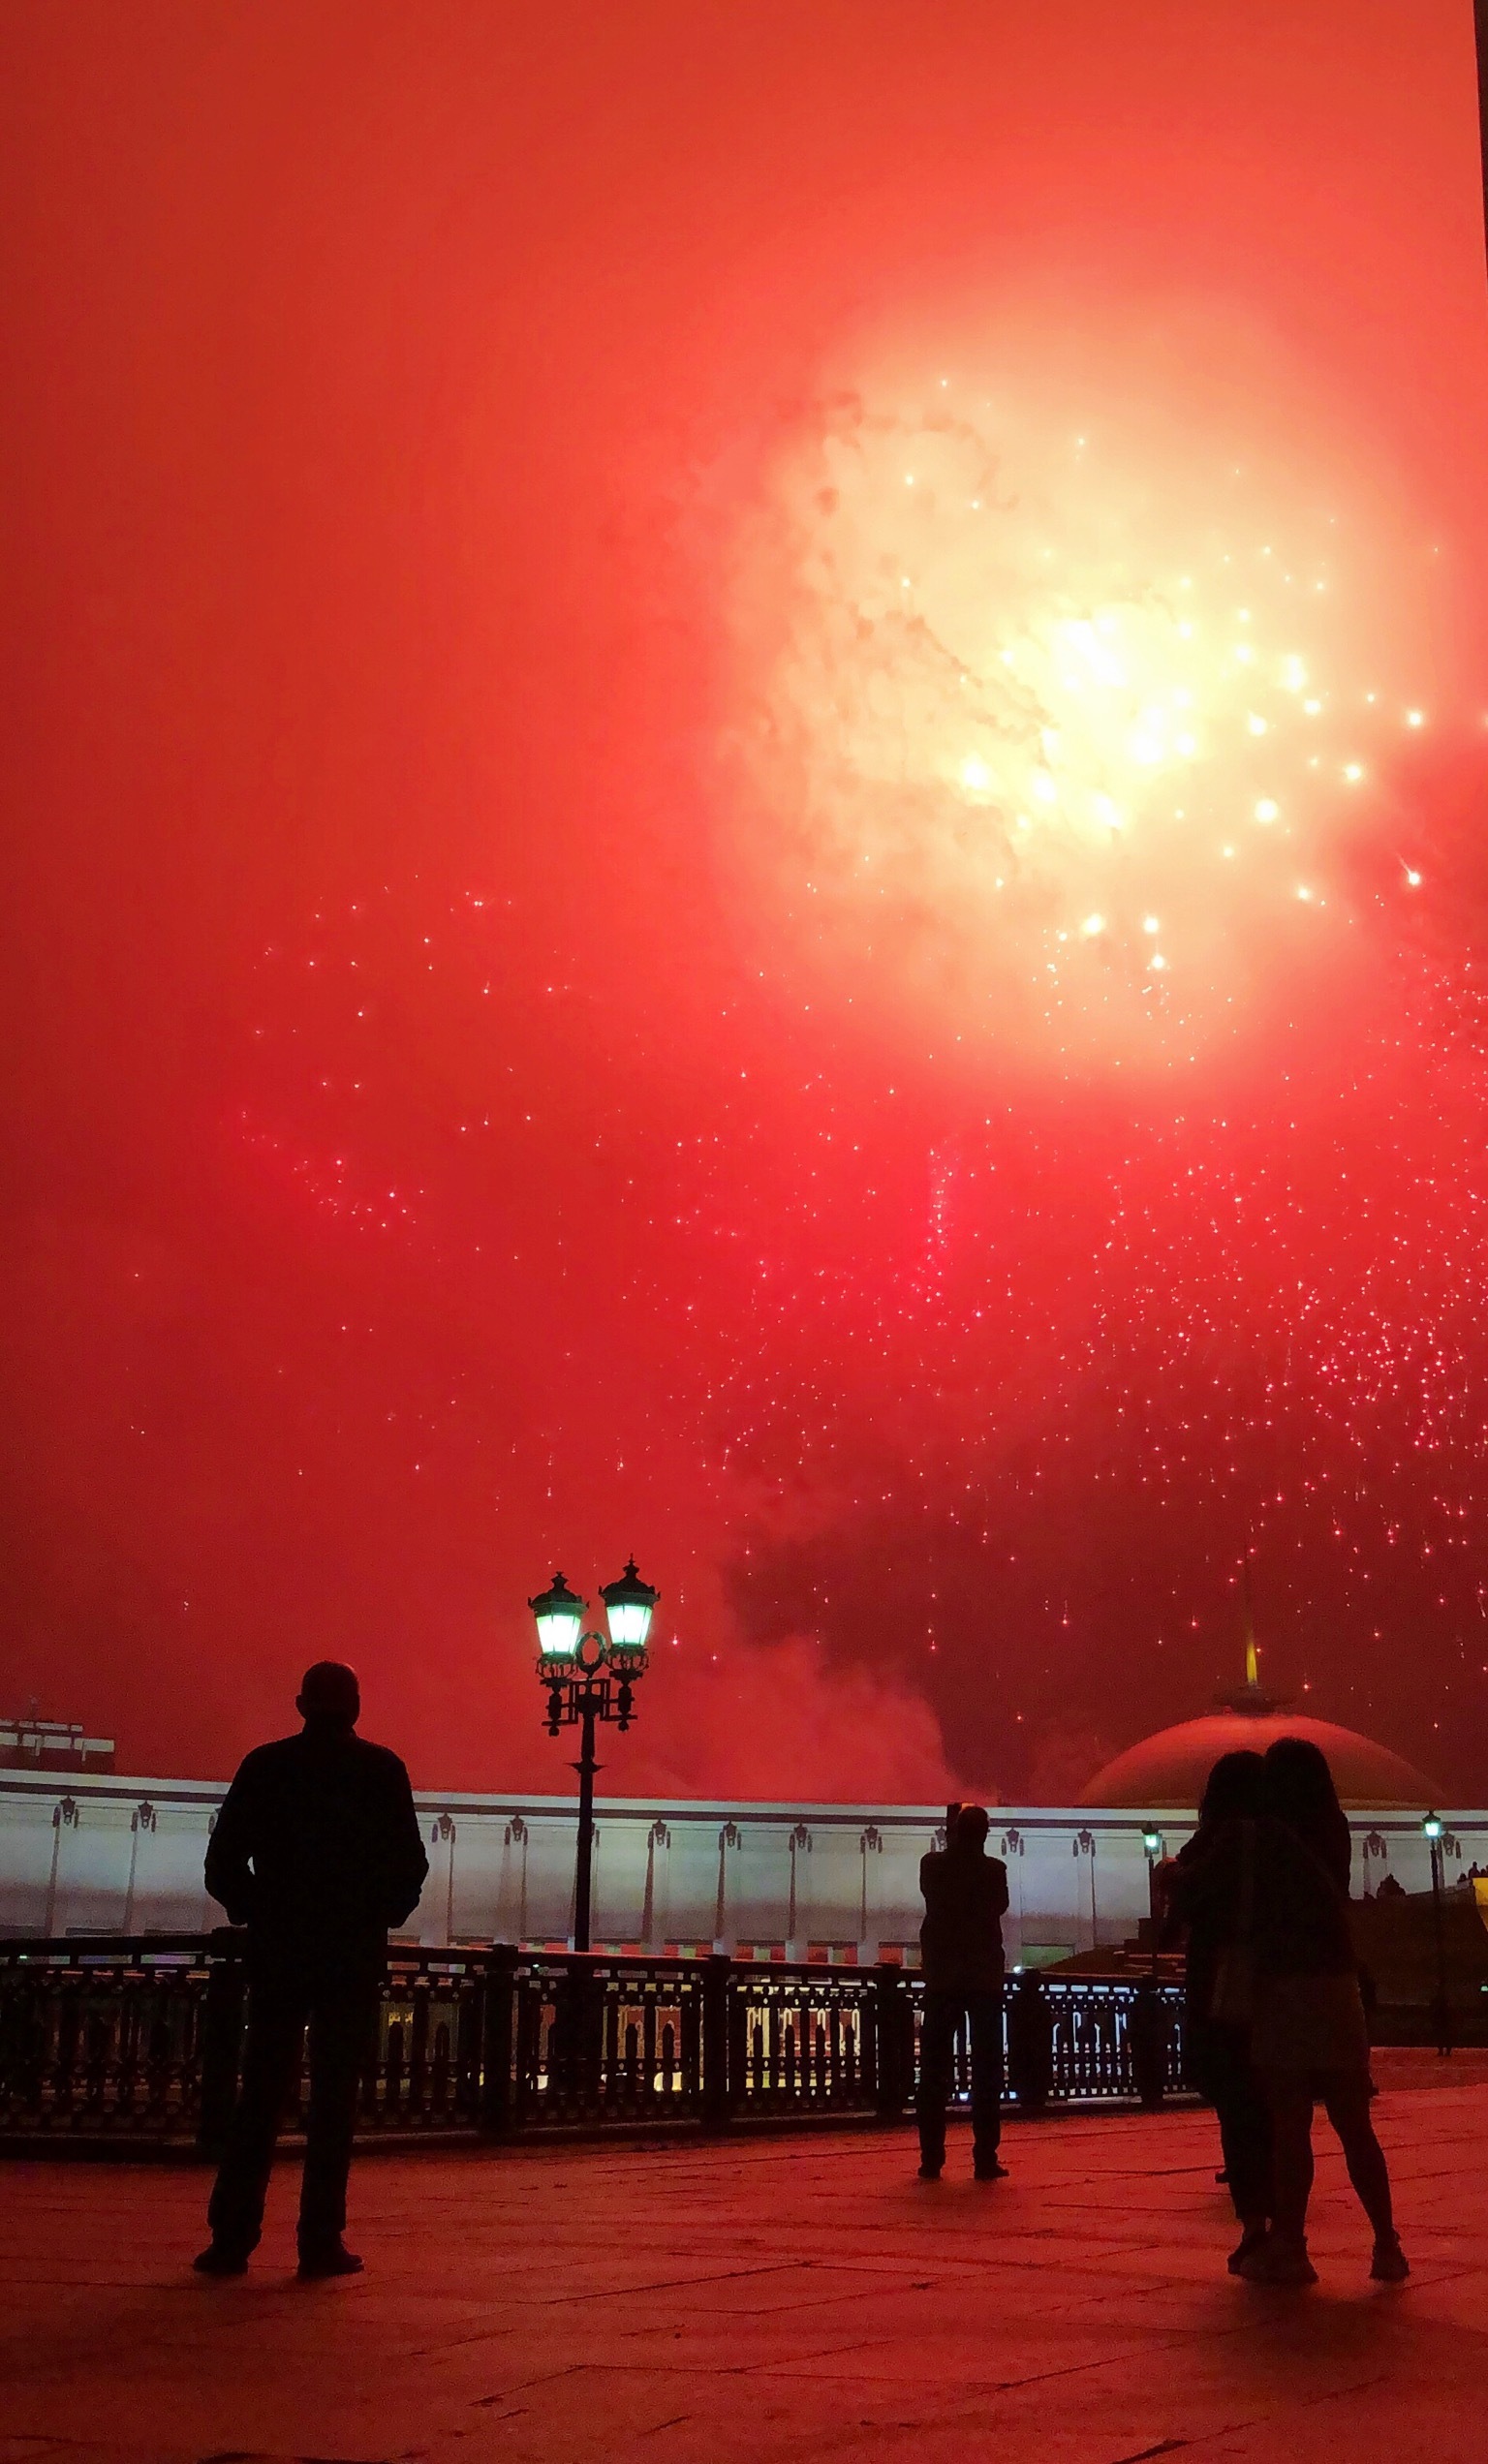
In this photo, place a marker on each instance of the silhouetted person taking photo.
(961, 1952)
(317, 1851)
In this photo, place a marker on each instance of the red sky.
(516, 1048)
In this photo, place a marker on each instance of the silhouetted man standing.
(961, 1951)
(318, 1851)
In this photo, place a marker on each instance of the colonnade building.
(102, 1853)
(86, 1851)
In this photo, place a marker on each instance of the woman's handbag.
(1232, 1995)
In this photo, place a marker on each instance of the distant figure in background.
(1219, 2040)
(961, 1950)
(317, 1851)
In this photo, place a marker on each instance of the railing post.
(893, 2022)
(527, 2089)
(690, 2046)
(1148, 2024)
(222, 2039)
(717, 2086)
(498, 2007)
(576, 2063)
(1029, 2044)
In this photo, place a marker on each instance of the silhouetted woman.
(1307, 2035)
(1218, 2045)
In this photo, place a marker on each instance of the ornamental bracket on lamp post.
(590, 1678)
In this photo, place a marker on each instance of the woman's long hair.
(1234, 1790)
(1299, 1792)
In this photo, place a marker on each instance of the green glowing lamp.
(629, 1607)
(560, 1616)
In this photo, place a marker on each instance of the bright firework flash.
(1067, 725)
(1075, 744)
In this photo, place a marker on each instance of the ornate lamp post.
(589, 1677)
(1434, 1827)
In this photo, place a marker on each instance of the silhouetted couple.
(1275, 2016)
(961, 1954)
(317, 1851)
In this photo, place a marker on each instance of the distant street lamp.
(589, 1677)
(1434, 1827)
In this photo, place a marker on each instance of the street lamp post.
(1148, 2022)
(1433, 1827)
(1153, 1845)
(589, 1677)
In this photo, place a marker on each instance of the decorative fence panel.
(120, 2042)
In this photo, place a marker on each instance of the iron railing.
(118, 2041)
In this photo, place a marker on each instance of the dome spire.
(1252, 1657)
(1252, 1699)
(1173, 1767)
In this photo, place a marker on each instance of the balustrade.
(117, 2041)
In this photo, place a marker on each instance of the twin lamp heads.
(629, 1606)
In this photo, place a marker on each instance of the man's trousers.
(943, 2014)
(341, 2015)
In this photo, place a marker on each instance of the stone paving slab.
(744, 2305)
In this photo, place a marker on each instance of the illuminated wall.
(109, 1856)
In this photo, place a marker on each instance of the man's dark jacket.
(318, 1851)
(961, 1940)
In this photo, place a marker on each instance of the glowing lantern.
(560, 1616)
(629, 1605)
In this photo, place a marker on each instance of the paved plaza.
(795, 2298)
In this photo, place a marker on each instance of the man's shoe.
(1389, 2265)
(1252, 2239)
(928, 2172)
(335, 2260)
(1279, 2262)
(220, 2258)
(991, 2169)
